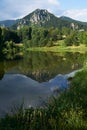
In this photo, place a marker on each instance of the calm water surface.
(43, 66)
(33, 78)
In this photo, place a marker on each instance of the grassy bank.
(81, 48)
(68, 111)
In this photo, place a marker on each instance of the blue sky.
(13, 9)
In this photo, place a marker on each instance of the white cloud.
(20, 8)
(55, 2)
(76, 14)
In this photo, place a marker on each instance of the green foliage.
(66, 31)
(9, 35)
(8, 38)
(75, 37)
(50, 43)
(9, 50)
(68, 111)
(0, 35)
(83, 37)
(39, 36)
(72, 39)
(25, 33)
(32, 36)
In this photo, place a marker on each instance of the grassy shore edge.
(81, 48)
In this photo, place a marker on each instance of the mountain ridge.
(8, 23)
(73, 20)
(43, 18)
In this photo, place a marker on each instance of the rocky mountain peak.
(43, 18)
(39, 16)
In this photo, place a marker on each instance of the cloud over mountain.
(76, 14)
(10, 9)
(20, 8)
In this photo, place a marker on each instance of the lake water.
(35, 77)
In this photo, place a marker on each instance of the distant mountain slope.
(43, 18)
(72, 20)
(8, 23)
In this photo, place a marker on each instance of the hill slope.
(43, 18)
(72, 20)
(8, 23)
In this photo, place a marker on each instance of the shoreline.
(80, 49)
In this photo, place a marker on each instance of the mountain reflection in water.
(42, 66)
(36, 77)
(15, 87)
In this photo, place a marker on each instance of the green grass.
(68, 111)
(60, 47)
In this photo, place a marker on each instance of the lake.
(35, 77)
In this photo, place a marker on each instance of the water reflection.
(20, 78)
(44, 66)
(14, 88)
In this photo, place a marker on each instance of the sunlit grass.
(60, 47)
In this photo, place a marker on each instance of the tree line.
(38, 37)
(32, 36)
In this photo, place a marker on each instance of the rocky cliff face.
(43, 18)
(40, 16)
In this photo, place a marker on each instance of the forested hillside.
(39, 29)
